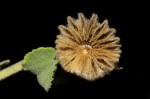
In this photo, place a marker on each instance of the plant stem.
(5, 62)
(15, 68)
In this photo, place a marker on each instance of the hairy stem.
(15, 68)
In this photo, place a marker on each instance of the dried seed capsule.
(87, 48)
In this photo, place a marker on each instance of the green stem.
(5, 62)
(11, 70)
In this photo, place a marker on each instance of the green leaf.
(38, 59)
(42, 63)
(46, 76)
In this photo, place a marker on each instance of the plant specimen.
(85, 47)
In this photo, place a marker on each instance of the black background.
(28, 25)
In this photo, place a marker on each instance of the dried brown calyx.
(87, 48)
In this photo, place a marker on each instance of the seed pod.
(87, 48)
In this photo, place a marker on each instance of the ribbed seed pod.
(87, 48)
